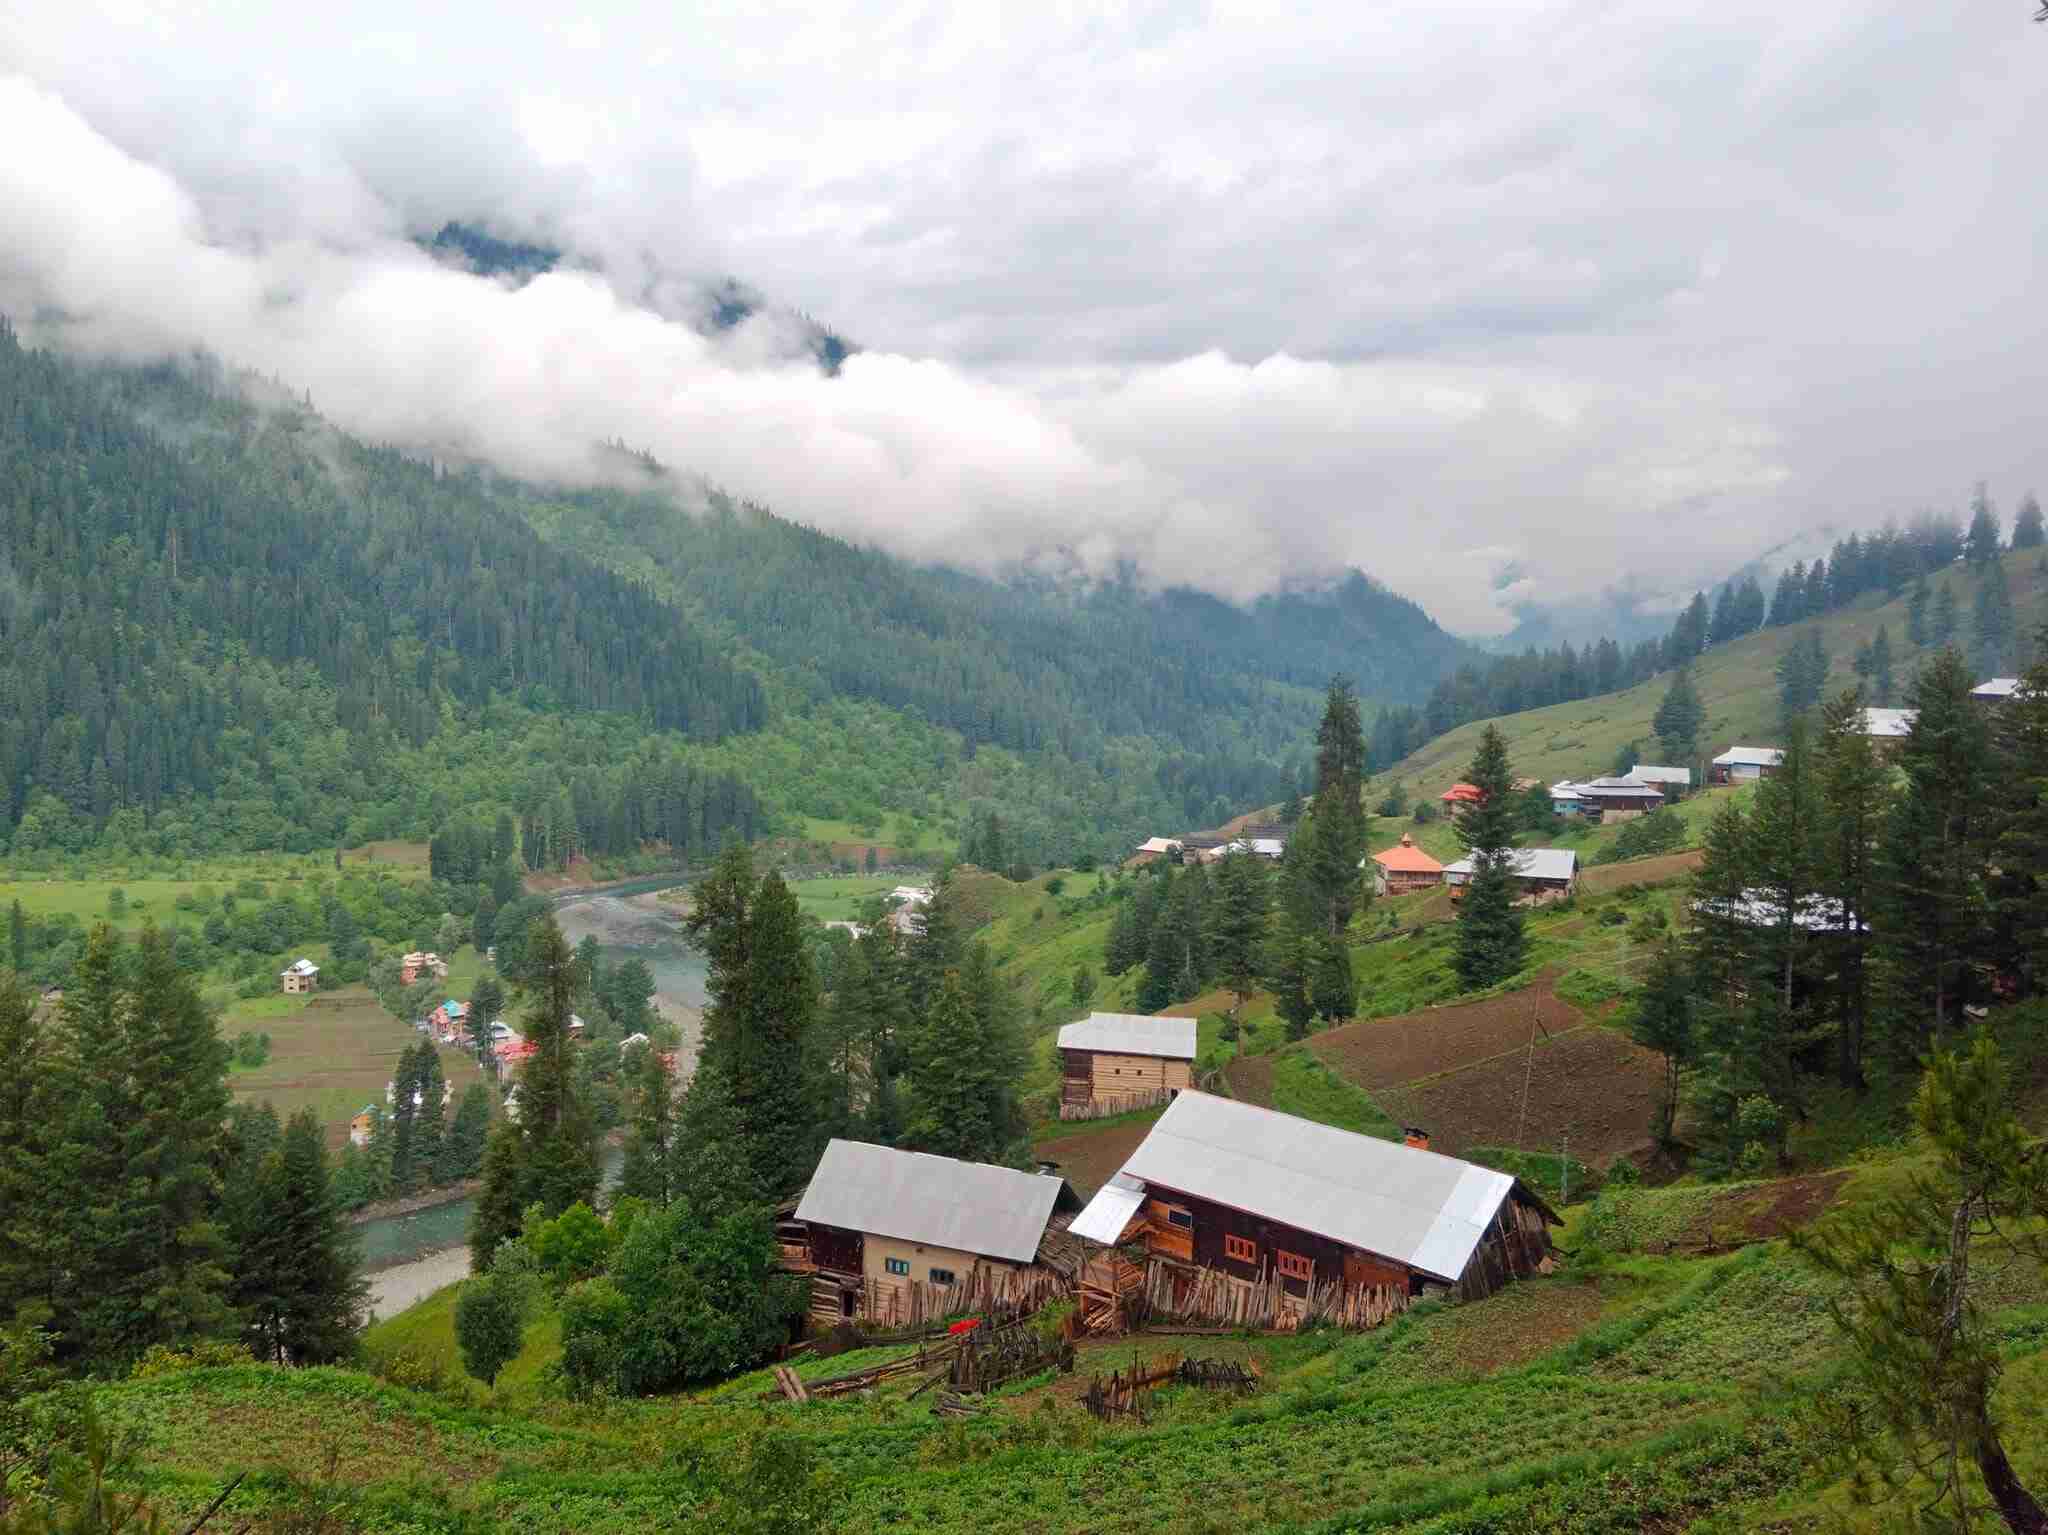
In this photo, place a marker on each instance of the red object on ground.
(967, 1326)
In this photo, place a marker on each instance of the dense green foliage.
(1491, 944)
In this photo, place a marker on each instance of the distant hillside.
(1737, 681)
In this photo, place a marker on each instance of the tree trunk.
(2020, 1509)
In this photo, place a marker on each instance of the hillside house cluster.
(1238, 1204)
(1262, 840)
(1110, 1062)
(418, 966)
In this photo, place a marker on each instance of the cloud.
(1502, 303)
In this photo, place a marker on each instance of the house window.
(1293, 1265)
(1184, 1219)
(941, 1276)
(1242, 1249)
(898, 1266)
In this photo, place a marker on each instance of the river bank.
(412, 1204)
(406, 1284)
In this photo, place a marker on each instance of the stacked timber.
(1192, 1294)
(986, 1287)
(1107, 1285)
(790, 1388)
(1120, 1103)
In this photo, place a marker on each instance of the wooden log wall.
(1188, 1293)
(915, 1303)
(1123, 1103)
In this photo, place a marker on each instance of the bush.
(161, 1359)
(412, 1369)
(251, 1048)
(488, 1327)
(1661, 831)
(572, 1246)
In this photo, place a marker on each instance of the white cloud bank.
(1571, 292)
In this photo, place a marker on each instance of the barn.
(1247, 1214)
(1110, 1062)
(904, 1237)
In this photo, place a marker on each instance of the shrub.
(161, 1359)
(1661, 831)
(251, 1048)
(488, 1327)
(413, 1369)
(572, 1246)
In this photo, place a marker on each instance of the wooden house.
(1541, 874)
(1619, 799)
(301, 975)
(1746, 764)
(1405, 867)
(417, 966)
(1565, 800)
(903, 1237)
(1996, 690)
(1887, 727)
(1151, 850)
(1459, 798)
(1245, 1208)
(1116, 1061)
(1671, 782)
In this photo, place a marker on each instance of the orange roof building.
(1460, 797)
(1404, 867)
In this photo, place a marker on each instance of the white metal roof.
(1997, 687)
(1132, 1034)
(1760, 908)
(1564, 788)
(913, 1196)
(1651, 773)
(300, 967)
(1889, 722)
(1420, 1208)
(1751, 756)
(1531, 863)
(1619, 788)
(1157, 845)
(1109, 1211)
(1264, 847)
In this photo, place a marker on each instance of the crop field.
(1385, 1052)
(334, 1054)
(840, 897)
(1090, 1154)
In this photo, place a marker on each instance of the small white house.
(300, 976)
(1746, 764)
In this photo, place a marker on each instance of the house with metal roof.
(300, 975)
(1565, 799)
(889, 1232)
(1996, 690)
(1542, 874)
(1746, 764)
(1110, 1062)
(1405, 867)
(1232, 1200)
(1666, 779)
(1889, 724)
(1619, 799)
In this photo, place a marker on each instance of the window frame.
(1186, 1220)
(899, 1267)
(941, 1276)
(1293, 1265)
(1240, 1249)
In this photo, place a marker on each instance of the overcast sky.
(1492, 300)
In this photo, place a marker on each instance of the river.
(410, 1256)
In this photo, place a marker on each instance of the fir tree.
(951, 1082)
(1679, 718)
(2027, 532)
(650, 1142)
(1122, 949)
(1917, 631)
(1941, 623)
(1238, 928)
(1992, 626)
(1883, 684)
(1491, 945)
(1932, 895)
(1852, 783)
(711, 1170)
(25, 1116)
(1335, 842)
(296, 1283)
(429, 1128)
(1661, 1019)
(1802, 675)
(464, 1146)
(841, 1043)
(2019, 862)
(1981, 542)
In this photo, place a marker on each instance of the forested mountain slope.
(1738, 683)
(226, 624)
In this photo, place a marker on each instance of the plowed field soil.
(1591, 1088)
(1385, 1052)
(1089, 1158)
(1770, 1210)
(1251, 1079)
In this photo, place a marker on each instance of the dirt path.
(404, 1284)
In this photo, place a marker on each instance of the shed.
(880, 1222)
(1262, 1196)
(1664, 778)
(1744, 764)
(1404, 867)
(1545, 874)
(1113, 1061)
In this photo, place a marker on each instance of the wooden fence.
(985, 1288)
(1121, 1392)
(1191, 1294)
(1122, 1103)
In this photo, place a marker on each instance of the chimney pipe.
(1417, 1138)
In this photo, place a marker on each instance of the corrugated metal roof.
(1531, 863)
(1132, 1034)
(1997, 687)
(1564, 788)
(1109, 1211)
(1420, 1208)
(1889, 722)
(1619, 788)
(1157, 845)
(1649, 772)
(913, 1196)
(1751, 756)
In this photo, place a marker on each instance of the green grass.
(841, 897)
(426, 1332)
(1303, 1085)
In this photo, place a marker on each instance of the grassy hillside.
(1737, 682)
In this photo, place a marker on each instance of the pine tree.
(1121, 950)
(1661, 1019)
(469, 1133)
(17, 938)
(1992, 626)
(950, 1082)
(26, 1275)
(501, 1203)
(296, 1284)
(650, 1142)
(1941, 624)
(1788, 602)
(2019, 861)
(1238, 928)
(1883, 685)
(1981, 543)
(710, 1169)
(1335, 843)
(1932, 895)
(1290, 970)
(1679, 719)
(2027, 532)
(1853, 786)
(1918, 632)
(429, 1128)
(841, 1043)
(1802, 674)
(1491, 945)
